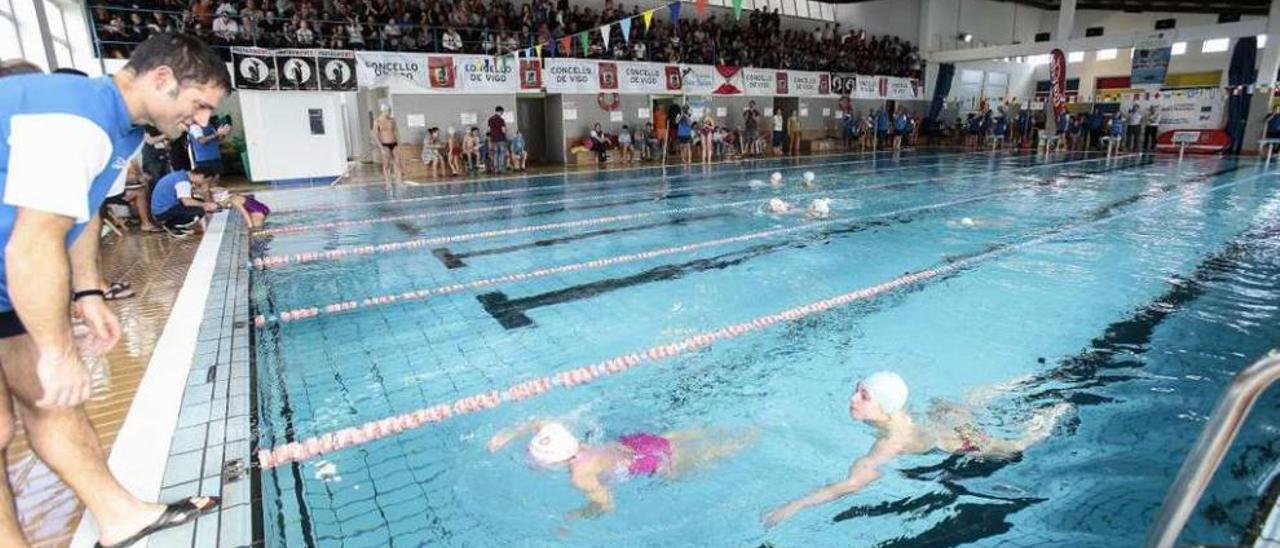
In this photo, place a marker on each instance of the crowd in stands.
(500, 26)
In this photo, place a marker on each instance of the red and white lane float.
(279, 261)
(422, 294)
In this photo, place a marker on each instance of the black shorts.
(1273, 134)
(180, 215)
(10, 325)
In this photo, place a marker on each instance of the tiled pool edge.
(210, 450)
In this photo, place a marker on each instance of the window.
(1075, 57)
(10, 45)
(1106, 54)
(56, 20)
(1042, 59)
(1179, 48)
(1217, 45)
(1262, 41)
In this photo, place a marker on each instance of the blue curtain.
(1240, 73)
(941, 89)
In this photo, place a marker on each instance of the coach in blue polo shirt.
(65, 142)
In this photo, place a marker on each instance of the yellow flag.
(538, 48)
(648, 18)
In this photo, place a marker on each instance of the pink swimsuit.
(651, 453)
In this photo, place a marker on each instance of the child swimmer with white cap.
(880, 400)
(592, 468)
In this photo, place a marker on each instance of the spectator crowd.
(500, 26)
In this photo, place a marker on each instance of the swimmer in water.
(881, 401)
(778, 205)
(819, 208)
(592, 468)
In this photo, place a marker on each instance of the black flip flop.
(175, 514)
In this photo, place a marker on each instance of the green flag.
(586, 42)
(737, 9)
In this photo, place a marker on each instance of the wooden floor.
(156, 265)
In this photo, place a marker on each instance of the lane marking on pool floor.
(370, 431)
(292, 259)
(597, 183)
(425, 293)
(701, 190)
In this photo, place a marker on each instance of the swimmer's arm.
(587, 479)
(501, 439)
(864, 471)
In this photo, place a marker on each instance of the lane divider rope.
(593, 184)
(292, 259)
(373, 430)
(311, 227)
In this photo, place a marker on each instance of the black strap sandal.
(175, 514)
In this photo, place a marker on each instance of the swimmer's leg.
(695, 449)
(1037, 430)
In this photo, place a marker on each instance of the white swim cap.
(967, 221)
(452, 131)
(778, 205)
(775, 178)
(821, 205)
(553, 444)
(809, 176)
(384, 108)
(887, 389)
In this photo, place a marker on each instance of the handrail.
(1207, 454)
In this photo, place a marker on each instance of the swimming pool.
(1132, 288)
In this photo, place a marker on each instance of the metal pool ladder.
(1209, 450)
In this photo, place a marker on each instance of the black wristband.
(88, 293)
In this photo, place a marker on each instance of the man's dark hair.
(499, 109)
(203, 172)
(15, 67)
(71, 71)
(191, 60)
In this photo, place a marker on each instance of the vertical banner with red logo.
(1058, 81)
(440, 72)
(780, 83)
(608, 76)
(674, 82)
(530, 74)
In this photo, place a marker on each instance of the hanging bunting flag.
(700, 8)
(552, 49)
(604, 36)
(648, 18)
(737, 9)
(585, 39)
(675, 13)
(538, 48)
(625, 25)
(566, 45)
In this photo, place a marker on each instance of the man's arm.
(39, 278)
(864, 471)
(86, 274)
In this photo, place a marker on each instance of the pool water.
(1132, 288)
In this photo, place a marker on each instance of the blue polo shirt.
(169, 192)
(204, 152)
(65, 144)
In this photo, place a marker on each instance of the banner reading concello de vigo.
(399, 71)
(435, 73)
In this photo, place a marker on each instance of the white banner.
(802, 84)
(902, 88)
(642, 78)
(698, 79)
(484, 74)
(759, 82)
(400, 71)
(571, 76)
(866, 87)
(1192, 109)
